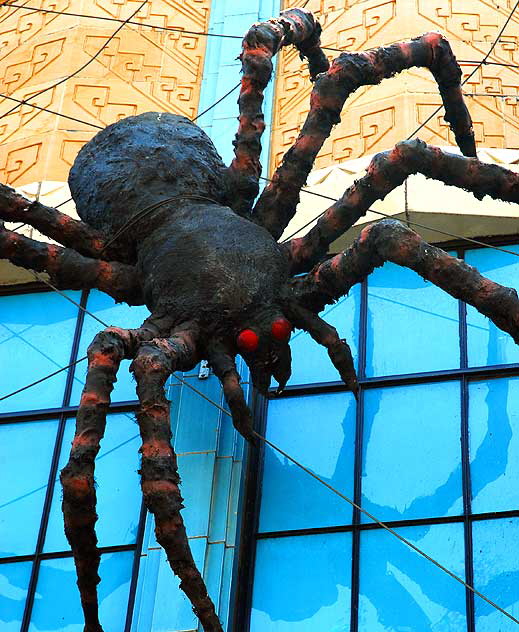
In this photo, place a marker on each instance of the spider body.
(167, 224)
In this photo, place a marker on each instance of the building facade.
(429, 448)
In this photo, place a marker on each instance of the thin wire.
(371, 210)
(38, 107)
(357, 506)
(217, 102)
(64, 79)
(130, 21)
(387, 528)
(491, 49)
(42, 379)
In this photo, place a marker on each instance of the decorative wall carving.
(378, 116)
(140, 70)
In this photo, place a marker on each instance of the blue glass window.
(494, 444)
(412, 327)
(302, 584)
(25, 455)
(119, 315)
(310, 361)
(118, 489)
(36, 333)
(57, 605)
(487, 344)
(496, 573)
(319, 431)
(401, 590)
(412, 429)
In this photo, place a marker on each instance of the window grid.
(62, 413)
(464, 376)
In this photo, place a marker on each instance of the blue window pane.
(496, 573)
(411, 450)
(494, 444)
(310, 361)
(486, 343)
(318, 431)
(412, 324)
(401, 590)
(14, 582)
(302, 584)
(118, 487)
(120, 315)
(36, 336)
(57, 605)
(25, 455)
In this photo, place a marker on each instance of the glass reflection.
(36, 333)
(411, 452)
(310, 361)
(118, 488)
(120, 315)
(494, 444)
(401, 590)
(486, 343)
(318, 431)
(412, 324)
(14, 582)
(57, 605)
(496, 573)
(302, 584)
(25, 455)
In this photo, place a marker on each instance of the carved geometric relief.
(141, 69)
(375, 117)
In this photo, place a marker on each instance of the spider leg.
(70, 270)
(222, 362)
(389, 240)
(277, 203)
(160, 480)
(387, 171)
(338, 350)
(56, 225)
(77, 477)
(260, 44)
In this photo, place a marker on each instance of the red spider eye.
(281, 329)
(248, 340)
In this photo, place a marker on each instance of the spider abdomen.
(205, 260)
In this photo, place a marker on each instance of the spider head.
(263, 343)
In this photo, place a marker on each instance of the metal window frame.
(464, 375)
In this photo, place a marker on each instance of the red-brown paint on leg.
(160, 480)
(57, 225)
(260, 44)
(276, 205)
(389, 240)
(387, 171)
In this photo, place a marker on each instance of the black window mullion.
(465, 465)
(135, 568)
(357, 467)
(31, 591)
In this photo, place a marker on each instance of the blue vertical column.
(210, 453)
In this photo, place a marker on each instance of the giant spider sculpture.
(166, 224)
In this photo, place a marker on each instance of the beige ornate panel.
(378, 116)
(140, 70)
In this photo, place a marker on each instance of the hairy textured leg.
(77, 478)
(276, 205)
(154, 362)
(338, 350)
(260, 44)
(390, 240)
(387, 171)
(224, 367)
(70, 270)
(56, 225)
